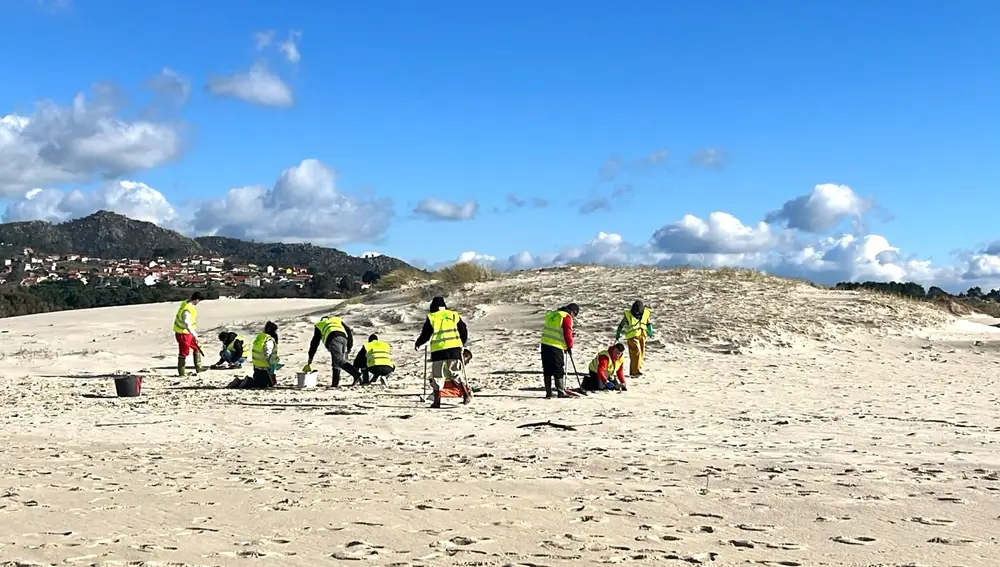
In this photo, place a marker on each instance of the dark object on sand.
(548, 423)
(128, 386)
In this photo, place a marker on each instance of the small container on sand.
(128, 386)
(307, 379)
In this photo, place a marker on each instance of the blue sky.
(461, 102)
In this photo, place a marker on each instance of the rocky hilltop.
(109, 235)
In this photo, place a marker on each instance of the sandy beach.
(776, 424)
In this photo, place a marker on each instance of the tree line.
(917, 291)
(73, 294)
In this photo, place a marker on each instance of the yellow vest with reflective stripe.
(552, 332)
(327, 325)
(635, 327)
(231, 347)
(377, 354)
(260, 360)
(445, 334)
(179, 318)
(613, 365)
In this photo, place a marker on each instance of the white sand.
(843, 429)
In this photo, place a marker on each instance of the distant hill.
(109, 235)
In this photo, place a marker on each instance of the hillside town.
(26, 268)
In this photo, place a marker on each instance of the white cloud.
(721, 233)
(75, 143)
(170, 83)
(436, 209)
(712, 158)
(263, 39)
(130, 198)
(290, 47)
(304, 205)
(821, 210)
(259, 85)
(724, 240)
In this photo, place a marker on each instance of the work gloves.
(307, 368)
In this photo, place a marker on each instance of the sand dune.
(777, 424)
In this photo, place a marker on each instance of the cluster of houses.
(196, 271)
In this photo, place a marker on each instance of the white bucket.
(307, 379)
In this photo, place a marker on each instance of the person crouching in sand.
(266, 361)
(607, 370)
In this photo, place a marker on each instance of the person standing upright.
(557, 341)
(186, 333)
(637, 328)
(447, 333)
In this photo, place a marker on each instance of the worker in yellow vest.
(186, 333)
(607, 370)
(374, 361)
(636, 327)
(234, 350)
(265, 359)
(338, 339)
(557, 340)
(447, 334)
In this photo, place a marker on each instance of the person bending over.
(338, 339)
(234, 351)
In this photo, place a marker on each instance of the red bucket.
(128, 386)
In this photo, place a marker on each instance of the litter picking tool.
(578, 379)
(423, 394)
(465, 379)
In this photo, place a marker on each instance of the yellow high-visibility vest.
(377, 354)
(613, 365)
(635, 327)
(179, 318)
(327, 325)
(552, 332)
(260, 360)
(445, 324)
(231, 347)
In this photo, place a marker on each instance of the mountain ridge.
(105, 234)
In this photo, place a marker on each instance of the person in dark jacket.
(374, 361)
(447, 334)
(338, 338)
(636, 327)
(235, 351)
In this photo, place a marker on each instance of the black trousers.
(261, 379)
(553, 362)
(553, 367)
(371, 373)
(592, 382)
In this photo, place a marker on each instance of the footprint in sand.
(952, 499)
(755, 527)
(950, 541)
(833, 519)
(930, 521)
(357, 550)
(857, 540)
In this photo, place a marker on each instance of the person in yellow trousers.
(447, 334)
(186, 333)
(636, 327)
